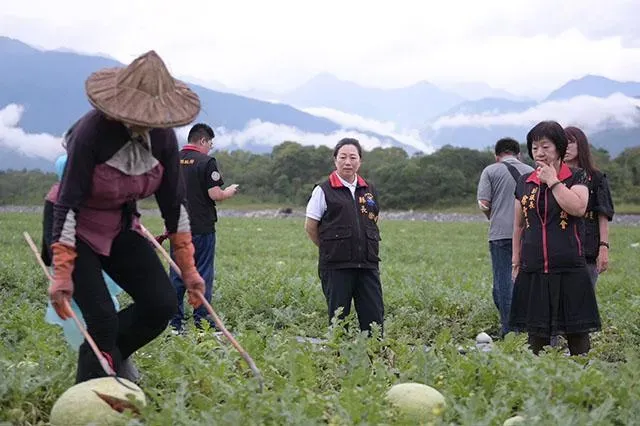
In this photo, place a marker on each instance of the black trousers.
(340, 286)
(134, 265)
(579, 343)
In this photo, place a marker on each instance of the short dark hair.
(551, 130)
(199, 131)
(347, 141)
(507, 146)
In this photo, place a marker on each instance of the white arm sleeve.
(317, 204)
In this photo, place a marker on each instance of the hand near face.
(546, 173)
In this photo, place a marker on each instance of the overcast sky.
(525, 46)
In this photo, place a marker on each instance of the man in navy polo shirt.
(203, 183)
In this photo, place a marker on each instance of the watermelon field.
(437, 290)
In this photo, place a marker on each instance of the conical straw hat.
(143, 94)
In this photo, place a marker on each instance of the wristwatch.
(603, 243)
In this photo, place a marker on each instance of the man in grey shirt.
(495, 198)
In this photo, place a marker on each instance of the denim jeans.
(502, 282)
(205, 248)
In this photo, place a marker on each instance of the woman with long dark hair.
(600, 207)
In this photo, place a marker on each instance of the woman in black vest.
(552, 292)
(342, 216)
(600, 208)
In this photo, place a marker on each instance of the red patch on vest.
(565, 173)
(335, 181)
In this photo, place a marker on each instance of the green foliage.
(444, 179)
(25, 187)
(437, 289)
(625, 175)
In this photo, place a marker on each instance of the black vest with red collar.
(348, 230)
(552, 240)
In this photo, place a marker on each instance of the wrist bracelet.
(603, 244)
(554, 185)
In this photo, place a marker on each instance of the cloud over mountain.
(30, 144)
(589, 112)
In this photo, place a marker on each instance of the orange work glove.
(183, 253)
(62, 287)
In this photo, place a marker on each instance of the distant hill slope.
(50, 87)
(594, 85)
(408, 106)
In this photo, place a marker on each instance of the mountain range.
(409, 107)
(50, 87)
(479, 123)
(594, 85)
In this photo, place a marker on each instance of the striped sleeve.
(75, 185)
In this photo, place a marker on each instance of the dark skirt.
(554, 304)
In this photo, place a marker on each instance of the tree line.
(446, 178)
(286, 175)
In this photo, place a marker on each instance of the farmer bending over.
(122, 151)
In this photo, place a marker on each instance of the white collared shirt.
(317, 204)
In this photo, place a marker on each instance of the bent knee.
(163, 310)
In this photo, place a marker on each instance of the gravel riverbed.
(633, 220)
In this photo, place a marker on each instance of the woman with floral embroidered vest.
(342, 220)
(122, 151)
(552, 292)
